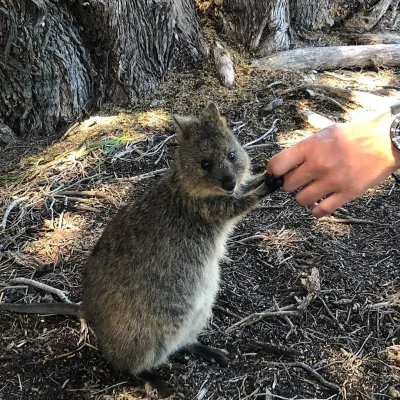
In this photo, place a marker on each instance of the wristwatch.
(395, 127)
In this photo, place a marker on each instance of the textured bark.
(266, 26)
(378, 12)
(257, 22)
(45, 72)
(321, 58)
(59, 58)
(136, 42)
(313, 14)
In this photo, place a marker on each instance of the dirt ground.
(343, 335)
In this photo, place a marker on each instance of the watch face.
(395, 132)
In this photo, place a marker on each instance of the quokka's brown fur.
(152, 278)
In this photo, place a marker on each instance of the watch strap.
(395, 132)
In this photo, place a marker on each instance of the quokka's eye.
(231, 156)
(206, 165)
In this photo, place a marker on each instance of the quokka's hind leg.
(209, 353)
(152, 380)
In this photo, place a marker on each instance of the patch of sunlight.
(99, 120)
(204, 5)
(103, 133)
(374, 80)
(125, 395)
(386, 188)
(154, 119)
(350, 369)
(62, 235)
(286, 238)
(331, 228)
(372, 101)
(289, 138)
(371, 80)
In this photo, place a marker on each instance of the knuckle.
(335, 182)
(321, 211)
(320, 165)
(303, 199)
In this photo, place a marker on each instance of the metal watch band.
(395, 132)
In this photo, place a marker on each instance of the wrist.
(394, 132)
(384, 123)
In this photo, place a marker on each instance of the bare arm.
(340, 162)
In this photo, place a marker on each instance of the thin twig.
(255, 317)
(157, 148)
(276, 396)
(362, 346)
(279, 350)
(276, 83)
(147, 175)
(42, 286)
(315, 374)
(87, 193)
(286, 318)
(340, 77)
(9, 209)
(350, 221)
(333, 101)
(228, 312)
(263, 136)
(330, 313)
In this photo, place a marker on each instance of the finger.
(298, 177)
(313, 192)
(329, 205)
(286, 160)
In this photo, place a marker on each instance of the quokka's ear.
(212, 110)
(211, 113)
(183, 124)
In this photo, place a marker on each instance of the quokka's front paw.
(273, 183)
(270, 185)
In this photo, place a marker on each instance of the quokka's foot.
(210, 354)
(154, 382)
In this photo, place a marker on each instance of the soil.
(347, 333)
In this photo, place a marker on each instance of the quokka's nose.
(228, 184)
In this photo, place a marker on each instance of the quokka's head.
(210, 160)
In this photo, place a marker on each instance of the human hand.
(340, 162)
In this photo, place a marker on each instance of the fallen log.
(335, 57)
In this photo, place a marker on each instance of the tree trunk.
(257, 23)
(59, 58)
(314, 14)
(46, 74)
(266, 26)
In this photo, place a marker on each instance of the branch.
(315, 374)
(263, 136)
(334, 57)
(9, 208)
(255, 317)
(42, 286)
